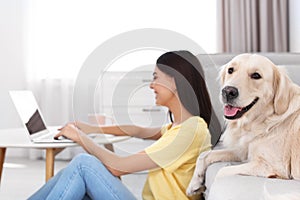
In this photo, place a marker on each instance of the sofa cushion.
(240, 187)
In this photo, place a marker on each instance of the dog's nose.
(230, 93)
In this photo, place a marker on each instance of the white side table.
(18, 138)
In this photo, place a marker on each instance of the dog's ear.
(222, 73)
(282, 86)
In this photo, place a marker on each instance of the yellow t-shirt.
(176, 153)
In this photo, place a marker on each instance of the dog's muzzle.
(229, 94)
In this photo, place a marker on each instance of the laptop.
(32, 119)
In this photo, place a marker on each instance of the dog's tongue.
(230, 110)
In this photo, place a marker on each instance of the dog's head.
(251, 82)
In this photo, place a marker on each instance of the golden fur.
(267, 136)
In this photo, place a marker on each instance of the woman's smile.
(162, 86)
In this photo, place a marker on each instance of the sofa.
(240, 187)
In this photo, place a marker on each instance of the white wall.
(12, 74)
(15, 32)
(294, 25)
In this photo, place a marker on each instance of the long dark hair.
(188, 73)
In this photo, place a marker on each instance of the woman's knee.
(84, 159)
(88, 164)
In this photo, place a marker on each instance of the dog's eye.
(255, 75)
(230, 70)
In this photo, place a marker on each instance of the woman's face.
(164, 87)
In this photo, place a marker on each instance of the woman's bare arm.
(116, 164)
(122, 130)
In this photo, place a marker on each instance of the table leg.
(2, 158)
(50, 156)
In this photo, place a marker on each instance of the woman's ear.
(174, 88)
(282, 87)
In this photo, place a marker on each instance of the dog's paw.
(195, 189)
(195, 186)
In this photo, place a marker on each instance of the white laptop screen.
(28, 110)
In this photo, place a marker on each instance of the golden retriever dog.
(262, 111)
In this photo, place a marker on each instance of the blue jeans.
(84, 178)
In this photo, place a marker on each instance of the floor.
(22, 176)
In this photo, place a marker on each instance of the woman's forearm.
(115, 164)
(93, 148)
(107, 157)
(114, 130)
(120, 130)
(129, 130)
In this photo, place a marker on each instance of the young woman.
(178, 83)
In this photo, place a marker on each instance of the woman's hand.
(71, 132)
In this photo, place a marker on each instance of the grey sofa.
(244, 187)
